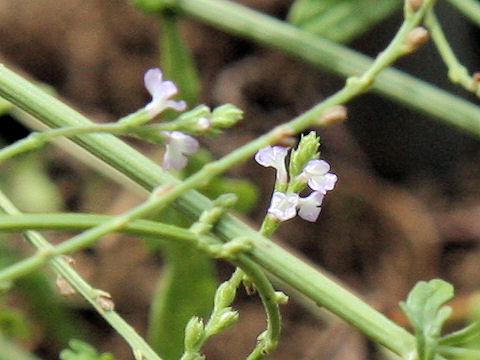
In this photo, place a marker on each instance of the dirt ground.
(407, 203)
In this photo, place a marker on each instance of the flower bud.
(225, 319)
(416, 38)
(194, 332)
(306, 150)
(415, 4)
(224, 295)
(226, 116)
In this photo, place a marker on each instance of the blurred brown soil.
(377, 237)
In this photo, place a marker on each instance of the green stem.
(394, 84)
(458, 353)
(469, 8)
(456, 71)
(300, 276)
(38, 139)
(270, 256)
(135, 341)
(461, 336)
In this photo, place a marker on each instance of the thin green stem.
(38, 139)
(92, 295)
(335, 58)
(461, 336)
(281, 263)
(270, 256)
(456, 71)
(462, 353)
(469, 8)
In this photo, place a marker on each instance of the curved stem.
(275, 260)
(456, 71)
(136, 342)
(267, 254)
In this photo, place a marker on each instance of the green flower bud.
(306, 150)
(223, 320)
(194, 333)
(226, 116)
(280, 298)
(224, 295)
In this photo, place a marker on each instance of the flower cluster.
(178, 144)
(200, 120)
(285, 204)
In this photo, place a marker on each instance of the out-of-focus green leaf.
(13, 323)
(186, 289)
(177, 60)
(47, 307)
(340, 20)
(246, 191)
(30, 187)
(80, 350)
(11, 351)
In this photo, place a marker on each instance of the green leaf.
(80, 350)
(340, 20)
(425, 311)
(187, 288)
(177, 60)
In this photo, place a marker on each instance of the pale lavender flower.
(309, 207)
(177, 145)
(161, 92)
(274, 156)
(318, 177)
(283, 206)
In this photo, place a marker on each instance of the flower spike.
(161, 92)
(177, 145)
(274, 156)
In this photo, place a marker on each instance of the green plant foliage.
(340, 20)
(246, 191)
(47, 307)
(80, 350)
(186, 288)
(30, 185)
(13, 323)
(426, 312)
(177, 60)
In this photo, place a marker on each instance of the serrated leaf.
(340, 20)
(426, 311)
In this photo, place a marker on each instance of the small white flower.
(318, 177)
(274, 156)
(309, 207)
(283, 206)
(161, 92)
(177, 145)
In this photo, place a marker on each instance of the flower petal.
(177, 145)
(274, 156)
(283, 206)
(309, 207)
